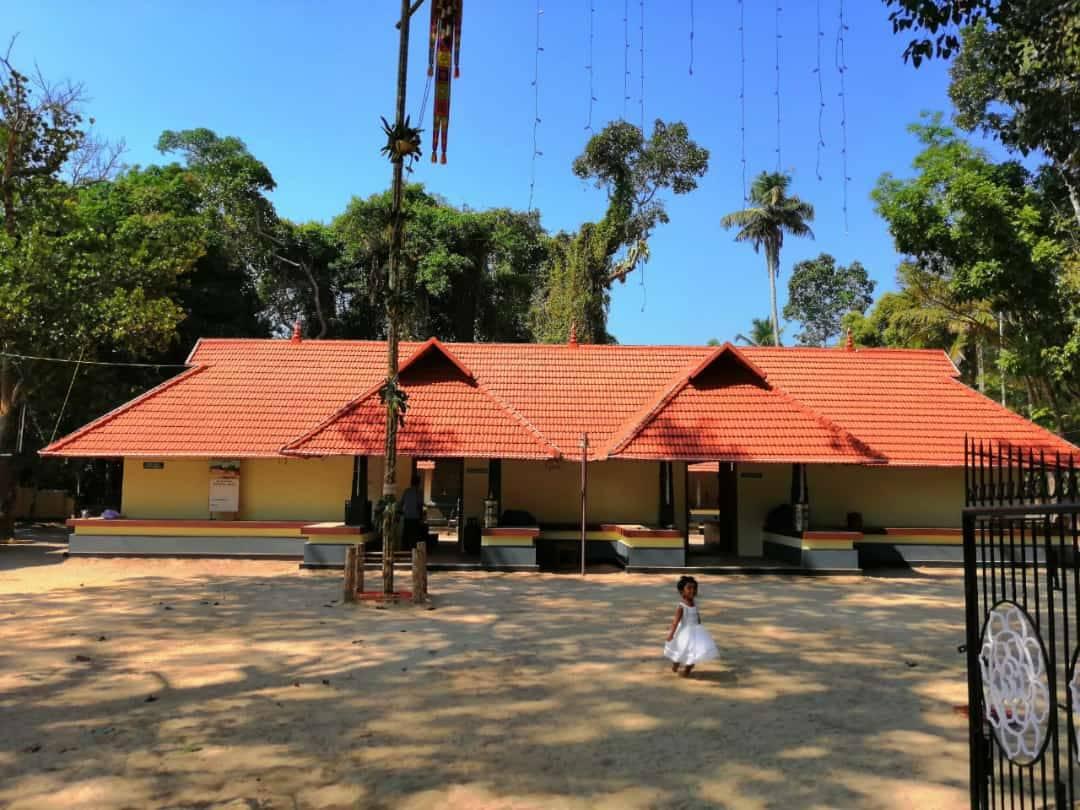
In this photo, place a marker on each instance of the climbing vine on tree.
(583, 266)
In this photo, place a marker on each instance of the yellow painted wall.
(886, 496)
(375, 476)
(180, 490)
(476, 489)
(619, 491)
(757, 497)
(294, 489)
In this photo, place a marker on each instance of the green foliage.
(984, 238)
(468, 275)
(821, 292)
(1019, 83)
(1015, 73)
(773, 213)
(583, 266)
(761, 334)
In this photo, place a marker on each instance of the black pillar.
(667, 494)
(728, 505)
(495, 479)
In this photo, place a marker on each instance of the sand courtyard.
(247, 684)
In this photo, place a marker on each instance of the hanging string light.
(841, 68)
(642, 31)
(691, 37)
(742, 94)
(589, 65)
(821, 96)
(626, 57)
(777, 91)
(536, 107)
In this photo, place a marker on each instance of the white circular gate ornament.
(1016, 688)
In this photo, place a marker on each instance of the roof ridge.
(863, 447)
(291, 447)
(515, 413)
(52, 447)
(643, 417)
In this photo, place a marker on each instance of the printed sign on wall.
(224, 486)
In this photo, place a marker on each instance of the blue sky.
(304, 83)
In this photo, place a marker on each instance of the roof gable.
(432, 351)
(447, 415)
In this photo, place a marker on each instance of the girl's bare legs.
(675, 666)
(687, 670)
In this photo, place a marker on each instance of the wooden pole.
(393, 315)
(350, 574)
(419, 573)
(361, 551)
(584, 493)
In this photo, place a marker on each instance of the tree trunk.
(773, 262)
(979, 368)
(1074, 194)
(390, 516)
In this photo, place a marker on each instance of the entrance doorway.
(720, 523)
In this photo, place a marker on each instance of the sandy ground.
(194, 684)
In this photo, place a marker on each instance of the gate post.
(977, 755)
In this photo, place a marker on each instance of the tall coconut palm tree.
(771, 215)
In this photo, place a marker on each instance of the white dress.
(691, 643)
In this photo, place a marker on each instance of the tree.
(761, 334)
(984, 238)
(764, 224)
(821, 292)
(468, 275)
(242, 244)
(584, 265)
(1015, 71)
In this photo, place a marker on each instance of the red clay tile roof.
(251, 398)
(725, 409)
(448, 415)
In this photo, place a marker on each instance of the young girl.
(688, 643)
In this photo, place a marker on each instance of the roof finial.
(573, 333)
(850, 341)
(297, 335)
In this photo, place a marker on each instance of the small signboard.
(153, 465)
(224, 486)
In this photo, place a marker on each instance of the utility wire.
(16, 356)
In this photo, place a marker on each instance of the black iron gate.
(1022, 600)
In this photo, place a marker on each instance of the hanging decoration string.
(691, 37)
(626, 57)
(742, 94)
(841, 68)
(821, 96)
(424, 99)
(536, 108)
(776, 92)
(642, 31)
(589, 65)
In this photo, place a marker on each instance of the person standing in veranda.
(412, 513)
